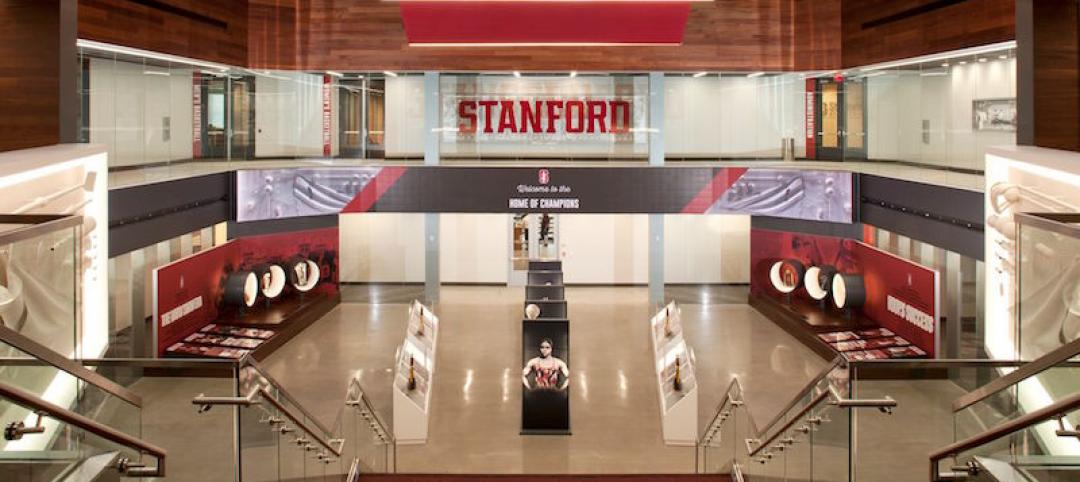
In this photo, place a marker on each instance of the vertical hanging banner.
(196, 115)
(326, 115)
(811, 88)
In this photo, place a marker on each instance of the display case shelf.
(412, 405)
(678, 408)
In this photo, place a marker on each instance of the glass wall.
(940, 111)
(131, 289)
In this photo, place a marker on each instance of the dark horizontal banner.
(800, 194)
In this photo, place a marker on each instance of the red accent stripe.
(721, 182)
(374, 189)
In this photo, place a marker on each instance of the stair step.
(546, 478)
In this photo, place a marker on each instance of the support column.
(431, 158)
(656, 158)
(431, 118)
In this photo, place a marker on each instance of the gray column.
(656, 259)
(431, 258)
(431, 118)
(431, 158)
(656, 158)
(656, 119)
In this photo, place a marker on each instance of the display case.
(414, 368)
(675, 379)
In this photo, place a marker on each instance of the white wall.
(405, 116)
(596, 248)
(898, 102)
(288, 115)
(474, 248)
(710, 248)
(382, 247)
(128, 103)
(604, 248)
(732, 116)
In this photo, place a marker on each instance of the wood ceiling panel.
(882, 30)
(212, 30)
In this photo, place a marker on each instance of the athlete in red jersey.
(546, 370)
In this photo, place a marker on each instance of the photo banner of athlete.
(787, 193)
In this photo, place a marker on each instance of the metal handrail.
(248, 360)
(1056, 357)
(41, 352)
(362, 399)
(798, 416)
(807, 389)
(259, 391)
(269, 397)
(1055, 410)
(703, 437)
(27, 399)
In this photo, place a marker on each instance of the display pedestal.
(678, 408)
(417, 354)
(545, 396)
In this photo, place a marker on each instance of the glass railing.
(52, 442)
(810, 439)
(1022, 424)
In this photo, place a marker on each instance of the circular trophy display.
(848, 290)
(818, 281)
(786, 275)
(303, 273)
(272, 279)
(241, 288)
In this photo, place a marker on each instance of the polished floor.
(476, 399)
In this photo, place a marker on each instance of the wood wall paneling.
(29, 73)
(1056, 74)
(367, 35)
(815, 26)
(869, 37)
(214, 30)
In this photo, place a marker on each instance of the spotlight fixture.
(848, 291)
(786, 275)
(241, 288)
(818, 281)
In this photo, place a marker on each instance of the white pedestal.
(678, 408)
(411, 406)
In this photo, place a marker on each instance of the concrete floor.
(476, 399)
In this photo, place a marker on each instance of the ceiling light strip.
(541, 44)
(120, 49)
(984, 49)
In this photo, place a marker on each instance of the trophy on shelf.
(678, 375)
(412, 373)
(419, 328)
(667, 323)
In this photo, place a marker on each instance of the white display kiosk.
(412, 401)
(678, 408)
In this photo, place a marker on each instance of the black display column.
(545, 338)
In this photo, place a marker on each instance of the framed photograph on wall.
(994, 114)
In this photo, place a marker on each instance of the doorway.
(533, 236)
(840, 106)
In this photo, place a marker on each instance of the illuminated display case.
(414, 369)
(676, 383)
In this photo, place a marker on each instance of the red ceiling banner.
(452, 23)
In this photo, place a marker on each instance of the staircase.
(545, 478)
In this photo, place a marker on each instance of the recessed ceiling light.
(700, 74)
(963, 62)
(389, 73)
(1003, 56)
(573, 73)
(982, 59)
(755, 74)
(517, 74)
(946, 64)
(335, 74)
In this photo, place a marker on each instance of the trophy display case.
(675, 379)
(413, 371)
